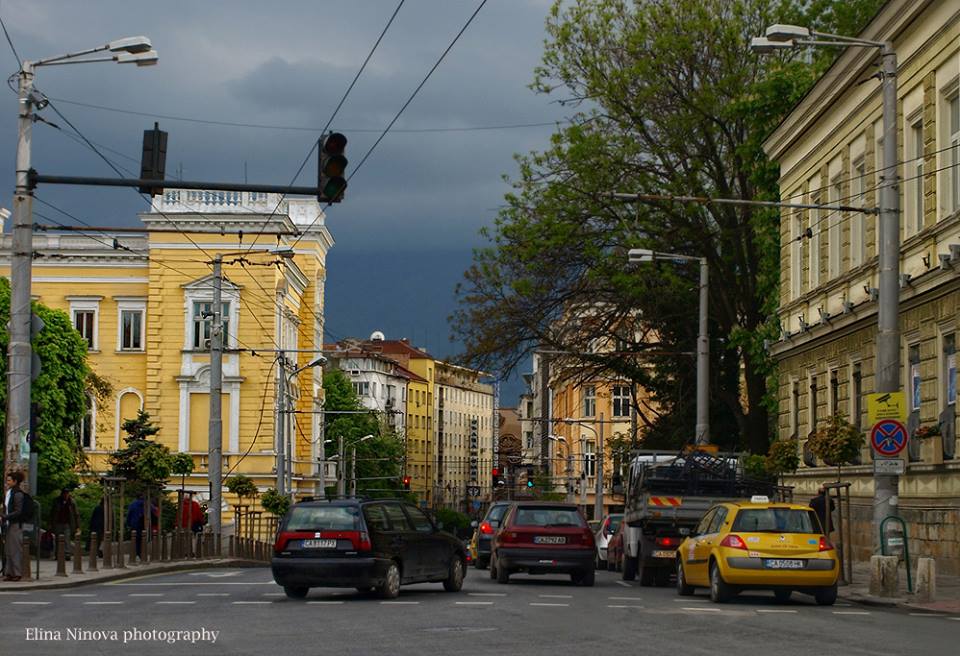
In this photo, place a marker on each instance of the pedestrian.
(96, 526)
(13, 510)
(823, 507)
(66, 519)
(135, 513)
(191, 515)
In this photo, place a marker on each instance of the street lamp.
(353, 465)
(285, 443)
(638, 255)
(885, 486)
(136, 50)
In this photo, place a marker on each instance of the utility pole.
(569, 498)
(281, 424)
(886, 486)
(703, 361)
(341, 482)
(321, 491)
(215, 468)
(598, 492)
(545, 413)
(353, 472)
(19, 352)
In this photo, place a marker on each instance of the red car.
(615, 550)
(544, 538)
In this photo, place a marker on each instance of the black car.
(486, 530)
(364, 544)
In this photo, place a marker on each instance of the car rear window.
(614, 524)
(548, 517)
(325, 518)
(776, 520)
(495, 516)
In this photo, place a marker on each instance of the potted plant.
(782, 458)
(837, 442)
(930, 434)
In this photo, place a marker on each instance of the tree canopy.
(668, 100)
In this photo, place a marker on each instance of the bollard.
(155, 554)
(121, 546)
(884, 576)
(77, 554)
(230, 546)
(163, 547)
(26, 558)
(94, 547)
(61, 555)
(926, 579)
(107, 550)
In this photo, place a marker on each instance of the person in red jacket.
(191, 515)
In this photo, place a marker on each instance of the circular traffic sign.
(888, 437)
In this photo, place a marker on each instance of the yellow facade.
(148, 337)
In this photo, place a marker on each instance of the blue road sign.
(888, 437)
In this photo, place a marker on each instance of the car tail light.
(364, 544)
(486, 529)
(668, 542)
(282, 539)
(587, 537)
(734, 542)
(825, 544)
(508, 537)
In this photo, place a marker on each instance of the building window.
(858, 223)
(954, 123)
(796, 256)
(85, 321)
(131, 329)
(528, 435)
(856, 397)
(813, 403)
(85, 429)
(590, 459)
(203, 322)
(813, 251)
(795, 409)
(589, 401)
(914, 158)
(621, 401)
(529, 409)
(834, 391)
(914, 360)
(361, 388)
(833, 235)
(950, 368)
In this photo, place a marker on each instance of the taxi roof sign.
(759, 498)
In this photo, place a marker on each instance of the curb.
(131, 572)
(883, 602)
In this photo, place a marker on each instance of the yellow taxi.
(758, 545)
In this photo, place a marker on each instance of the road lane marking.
(843, 605)
(624, 584)
(774, 610)
(103, 603)
(486, 594)
(175, 602)
(399, 603)
(145, 594)
(77, 594)
(252, 602)
(209, 594)
(31, 603)
(626, 598)
(325, 603)
(540, 604)
(702, 609)
(274, 594)
(927, 614)
(555, 596)
(851, 612)
(623, 606)
(954, 618)
(182, 583)
(694, 601)
(474, 603)
(12, 592)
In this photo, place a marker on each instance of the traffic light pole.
(215, 447)
(19, 353)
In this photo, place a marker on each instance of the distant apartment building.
(829, 149)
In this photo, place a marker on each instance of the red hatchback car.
(544, 538)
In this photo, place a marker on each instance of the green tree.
(668, 100)
(243, 486)
(59, 393)
(380, 459)
(181, 464)
(275, 503)
(837, 442)
(142, 461)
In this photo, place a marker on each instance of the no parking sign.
(888, 437)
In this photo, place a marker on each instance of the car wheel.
(454, 580)
(826, 596)
(295, 591)
(720, 590)
(493, 568)
(683, 589)
(390, 587)
(585, 578)
(782, 595)
(629, 572)
(503, 575)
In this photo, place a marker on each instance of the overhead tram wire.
(10, 43)
(400, 112)
(330, 120)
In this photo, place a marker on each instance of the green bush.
(837, 442)
(453, 521)
(782, 457)
(275, 503)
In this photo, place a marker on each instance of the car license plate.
(549, 539)
(319, 544)
(669, 553)
(776, 563)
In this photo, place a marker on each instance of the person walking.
(13, 527)
(823, 507)
(66, 519)
(96, 526)
(191, 515)
(135, 518)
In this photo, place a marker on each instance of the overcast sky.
(287, 63)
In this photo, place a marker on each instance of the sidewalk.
(49, 579)
(947, 599)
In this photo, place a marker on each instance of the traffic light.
(530, 482)
(406, 482)
(153, 161)
(332, 166)
(495, 475)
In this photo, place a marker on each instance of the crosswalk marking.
(102, 603)
(211, 594)
(623, 606)
(851, 612)
(702, 609)
(251, 602)
(77, 594)
(31, 603)
(774, 610)
(145, 594)
(474, 603)
(399, 603)
(692, 601)
(625, 598)
(533, 603)
(555, 596)
(486, 594)
(325, 603)
(175, 602)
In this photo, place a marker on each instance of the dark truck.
(667, 494)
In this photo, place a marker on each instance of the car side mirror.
(474, 524)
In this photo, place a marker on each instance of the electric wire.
(268, 382)
(10, 42)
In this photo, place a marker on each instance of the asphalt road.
(529, 617)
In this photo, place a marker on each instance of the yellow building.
(829, 149)
(140, 300)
